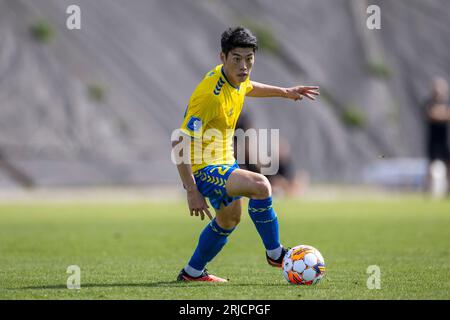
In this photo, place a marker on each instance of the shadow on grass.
(150, 285)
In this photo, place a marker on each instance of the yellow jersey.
(210, 119)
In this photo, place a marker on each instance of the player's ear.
(222, 57)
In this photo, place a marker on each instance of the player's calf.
(228, 217)
(257, 187)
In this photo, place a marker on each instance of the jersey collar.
(223, 73)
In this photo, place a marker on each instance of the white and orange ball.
(303, 265)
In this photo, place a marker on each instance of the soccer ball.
(303, 265)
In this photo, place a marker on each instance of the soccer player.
(438, 119)
(216, 104)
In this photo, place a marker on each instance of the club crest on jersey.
(194, 124)
(218, 87)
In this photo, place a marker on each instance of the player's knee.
(229, 221)
(234, 220)
(263, 189)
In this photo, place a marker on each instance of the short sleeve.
(249, 86)
(199, 113)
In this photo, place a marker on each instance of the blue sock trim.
(218, 229)
(260, 203)
(261, 211)
(211, 241)
(270, 219)
(266, 222)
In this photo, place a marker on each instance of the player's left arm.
(261, 90)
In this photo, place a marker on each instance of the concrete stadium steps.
(148, 56)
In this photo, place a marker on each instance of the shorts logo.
(194, 124)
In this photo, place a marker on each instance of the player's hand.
(197, 204)
(297, 93)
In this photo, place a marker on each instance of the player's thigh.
(229, 216)
(248, 184)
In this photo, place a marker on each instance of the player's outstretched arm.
(261, 90)
(196, 202)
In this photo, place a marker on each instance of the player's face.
(238, 64)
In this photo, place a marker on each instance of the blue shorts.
(211, 181)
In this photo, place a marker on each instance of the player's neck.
(224, 73)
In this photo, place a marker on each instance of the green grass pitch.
(134, 251)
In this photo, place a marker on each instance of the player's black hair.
(238, 37)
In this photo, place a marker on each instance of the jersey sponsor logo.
(194, 124)
(218, 87)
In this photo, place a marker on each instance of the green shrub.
(352, 117)
(379, 70)
(267, 41)
(42, 31)
(96, 92)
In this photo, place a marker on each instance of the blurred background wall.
(97, 106)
